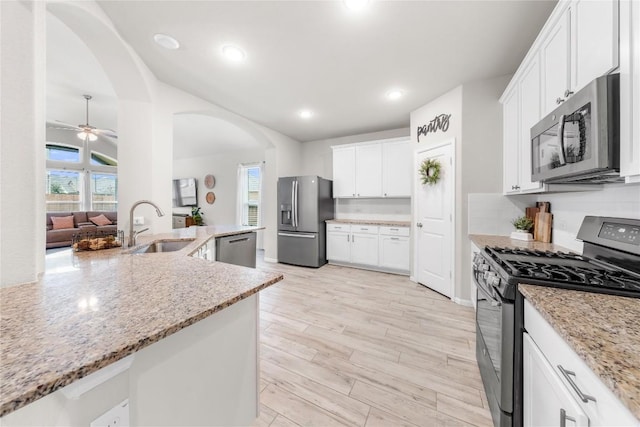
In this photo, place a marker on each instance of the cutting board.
(531, 214)
(543, 227)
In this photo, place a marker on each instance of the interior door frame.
(414, 210)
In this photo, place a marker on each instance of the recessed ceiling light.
(166, 41)
(306, 114)
(233, 53)
(394, 94)
(356, 5)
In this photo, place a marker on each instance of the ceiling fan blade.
(106, 132)
(61, 125)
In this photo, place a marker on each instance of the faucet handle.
(135, 233)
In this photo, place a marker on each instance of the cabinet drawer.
(364, 229)
(395, 231)
(338, 227)
(607, 408)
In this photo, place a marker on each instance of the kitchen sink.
(162, 246)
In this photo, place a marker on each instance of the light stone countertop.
(108, 304)
(602, 329)
(483, 240)
(384, 223)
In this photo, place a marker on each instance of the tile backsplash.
(374, 209)
(492, 213)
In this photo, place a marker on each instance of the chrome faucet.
(132, 234)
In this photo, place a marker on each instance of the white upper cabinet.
(529, 89)
(396, 169)
(630, 90)
(511, 143)
(372, 169)
(369, 170)
(594, 35)
(344, 172)
(554, 55)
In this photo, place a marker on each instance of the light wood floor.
(341, 346)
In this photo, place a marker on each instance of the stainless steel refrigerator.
(304, 204)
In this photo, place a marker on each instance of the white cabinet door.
(554, 55)
(394, 252)
(369, 170)
(339, 246)
(396, 169)
(364, 249)
(630, 90)
(594, 48)
(511, 143)
(547, 402)
(344, 172)
(529, 115)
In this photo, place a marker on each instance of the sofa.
(81, 224)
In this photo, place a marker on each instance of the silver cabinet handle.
(394, 229)
(395, 238)
(564, 417)
(559, 100)
(419, 225)
(568, 374)
(568, 93)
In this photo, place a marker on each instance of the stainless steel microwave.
(579, 141)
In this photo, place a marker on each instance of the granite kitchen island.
(175, 334)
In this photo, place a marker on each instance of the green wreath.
(430, 171)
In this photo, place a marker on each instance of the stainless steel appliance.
(239, 249)
(579, 141)
(610, 264)
(304, 204)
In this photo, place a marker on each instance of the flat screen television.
(185, 192)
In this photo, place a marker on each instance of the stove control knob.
(484, 267)
(489, 275)
(494, 281)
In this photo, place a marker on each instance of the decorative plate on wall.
(209, 181)
(210, 197)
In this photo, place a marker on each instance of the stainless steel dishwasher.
(239, 249)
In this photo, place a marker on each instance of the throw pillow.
(61, 222)
(100, 220)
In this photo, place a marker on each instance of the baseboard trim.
(464, 302)
(273, 260)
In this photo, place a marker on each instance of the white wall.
(22, 119)
(224, 166)
(476, 125)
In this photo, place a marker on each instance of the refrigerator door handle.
(295, 215)
(304, 236)
(293, 203)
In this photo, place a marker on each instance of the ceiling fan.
(86, 131)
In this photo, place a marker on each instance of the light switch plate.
(118, 416)
(138, 220)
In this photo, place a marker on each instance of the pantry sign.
(440, 122)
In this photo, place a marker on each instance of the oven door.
(494, 348)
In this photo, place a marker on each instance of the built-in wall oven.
(610, 264)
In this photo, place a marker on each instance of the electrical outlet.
(118, 416)
(138, 220)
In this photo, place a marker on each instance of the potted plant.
(523, 225)
(196, 214)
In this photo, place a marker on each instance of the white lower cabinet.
(339, 246)
(558, 387)
(369, 246)
(547, 402)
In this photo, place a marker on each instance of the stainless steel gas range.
(610, 264)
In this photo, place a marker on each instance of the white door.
(396, 169)
(434, 222)
(547, 401)
(394, 252)
(554, 54)
(344, 172)
(369, 170)
(338, 246)
(529, 115)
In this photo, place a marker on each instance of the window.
(104, 192)
(63, 190)
(103, 160)
(79, 179)
(63, 153)
(249, 194)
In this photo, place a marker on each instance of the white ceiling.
(302, 54)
